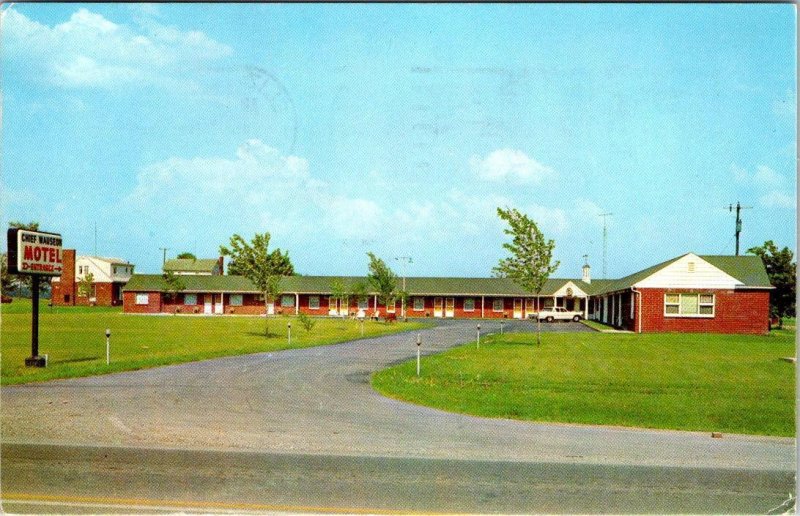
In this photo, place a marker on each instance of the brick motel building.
(689, 293)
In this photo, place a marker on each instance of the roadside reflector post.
(361, 316)
(108, 346)
(419, 344)
(501, 327)
(289, 332)
(479, 337)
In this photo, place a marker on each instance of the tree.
(8, 283)
(382, 279)
(86, 286)
(359, 290)
(340, 293)
(255, 262)
(782, 275)
(186, 256)
(530, 263)
(174, 285)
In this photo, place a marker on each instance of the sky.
(400, 129)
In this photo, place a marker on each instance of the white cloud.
(777, 199)
(509, 164)
(89, 50)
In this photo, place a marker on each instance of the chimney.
(67, 280)
(587, 277)
(221, 263)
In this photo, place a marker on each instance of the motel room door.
(218, 304)
(517, 308)
(450, 307)
(437, 307)
(207, 304)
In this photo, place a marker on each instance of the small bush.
(307, 322)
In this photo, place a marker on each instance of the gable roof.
(190, 264)
(747, 269)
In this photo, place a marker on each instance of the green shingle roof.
(190, 265)
(747, 269)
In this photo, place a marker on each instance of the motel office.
(689, 293)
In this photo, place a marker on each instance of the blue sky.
(399, 129)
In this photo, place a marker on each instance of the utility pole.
(739, 208)
(95, 238)
(164, 261)
(406, 260)
(605, 241)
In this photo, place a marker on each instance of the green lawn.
(74, 339)
(726, 383)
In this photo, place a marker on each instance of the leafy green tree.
(531, 260)
(86, 286)
(383, 280)
(359, 290)
(782, 272)
(254, 261)
(174, 285)
(340, 293)
(8, 282)
(186, 256)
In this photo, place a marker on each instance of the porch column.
(296, 303)
(482, 299)
(375, 304)
(585, 307)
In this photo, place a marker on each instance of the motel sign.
(36, 254)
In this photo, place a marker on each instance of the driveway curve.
(319, 401)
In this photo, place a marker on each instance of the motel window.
(190, 299)
(469, 304)
(689, 305)
(549, 302)
(497, 305)
(287, 301)
(142, 299)
(363, 303)
(236, 300)
(313, 302)
(419, 304)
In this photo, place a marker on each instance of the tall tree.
(531, 260)
(382, 279)
(186, 256)
(254, 261)
(782, 271)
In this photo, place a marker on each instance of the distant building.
(195, 266)
(109, 277)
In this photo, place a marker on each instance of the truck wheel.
(549, 318)
(577, 318)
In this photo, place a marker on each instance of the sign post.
(34, 254)
(478, 345)
(108, 346)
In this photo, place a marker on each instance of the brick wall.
(153, 305)
(735, 312)
(64, 290)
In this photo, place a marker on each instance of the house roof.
(190, 264)
(747, 269)
(113, 261)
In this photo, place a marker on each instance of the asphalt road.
(300, 406)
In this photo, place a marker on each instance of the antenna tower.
(605, 241)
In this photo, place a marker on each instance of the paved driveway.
(319, 401)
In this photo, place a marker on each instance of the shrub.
(307, 322)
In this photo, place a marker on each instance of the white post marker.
(501, 327)
(419, 343)
(108, 346)
(289, 327)
(479, 337)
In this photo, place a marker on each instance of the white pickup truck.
(559, 313)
